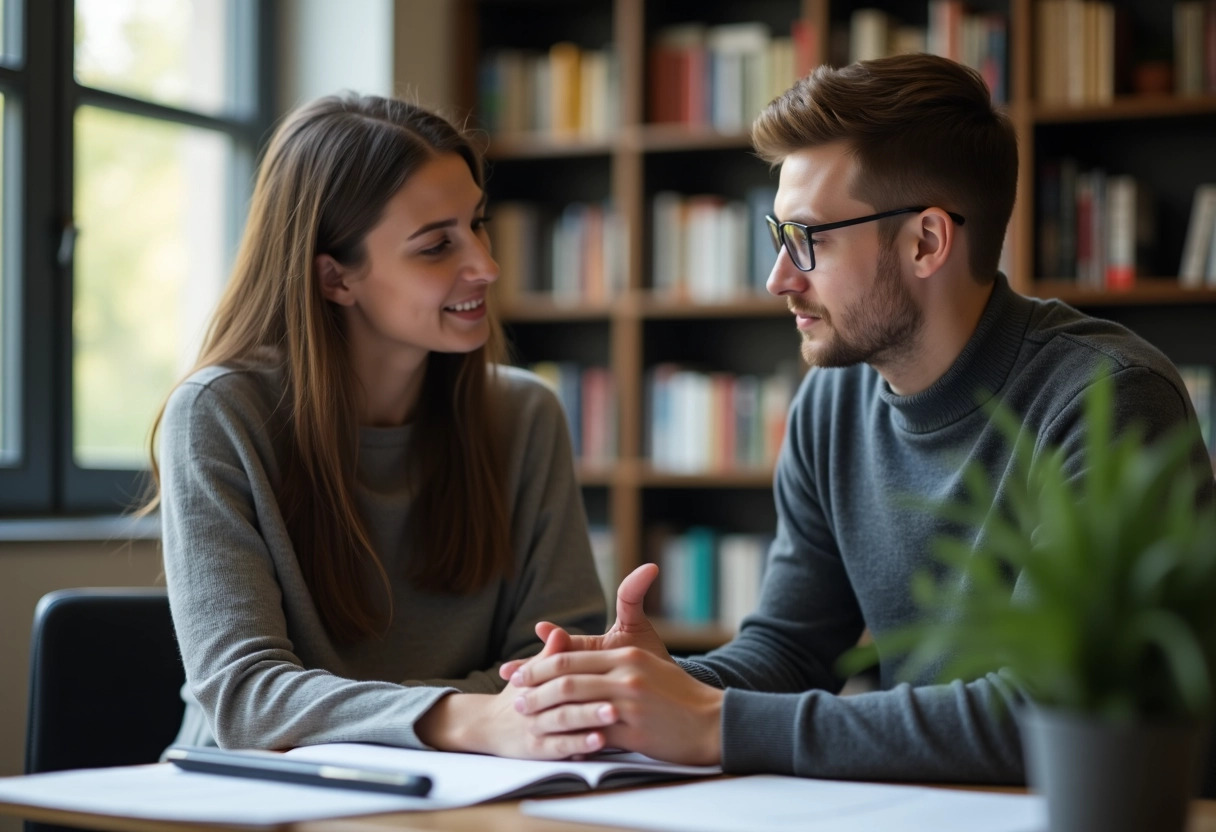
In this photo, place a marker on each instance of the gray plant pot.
(1103, 776)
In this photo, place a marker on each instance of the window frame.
(45, 480)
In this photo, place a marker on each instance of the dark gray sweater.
(847, 544)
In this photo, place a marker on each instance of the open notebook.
(464, 779)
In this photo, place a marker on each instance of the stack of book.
(977, 40)
(708, 248)
(715, 421)
(707, 577)
(588, 396)
(1095, 228)
(722, 76)
(567, 91)
(575, 255)
(1078, 51)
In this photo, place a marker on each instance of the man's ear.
(935, 241)
(334, 280)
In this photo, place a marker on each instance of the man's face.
(853, 306)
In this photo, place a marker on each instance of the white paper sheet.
(796, 804)
(164, 792)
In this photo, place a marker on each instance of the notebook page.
(465, 779)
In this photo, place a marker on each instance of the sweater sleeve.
(226, 597)
(781, 714)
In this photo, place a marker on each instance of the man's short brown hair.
(924, 132)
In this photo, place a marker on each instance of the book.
(1131, 231)
(1198, 241)
(740, 569)
(1200, 380)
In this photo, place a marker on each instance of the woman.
(363, 516)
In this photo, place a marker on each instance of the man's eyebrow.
(801, 219)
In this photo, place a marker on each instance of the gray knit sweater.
(262, 672)
(848, 542)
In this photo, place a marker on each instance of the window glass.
(150, 261)
(168, 51)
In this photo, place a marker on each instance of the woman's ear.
(333, 276)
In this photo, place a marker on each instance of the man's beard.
(874, 330)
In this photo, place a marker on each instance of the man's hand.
(632, 627)
(655, 707)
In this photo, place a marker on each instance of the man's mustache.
(806, 310)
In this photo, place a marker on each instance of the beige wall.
(424, 35)
(27, 572)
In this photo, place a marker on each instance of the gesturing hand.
(632, 627)
(655, 707)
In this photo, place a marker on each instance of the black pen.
(266, 765)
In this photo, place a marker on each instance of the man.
(897, 182)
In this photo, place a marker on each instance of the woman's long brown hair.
(330, 169)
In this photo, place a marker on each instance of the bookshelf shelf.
(1129, 107)
(536, 308)
(545, 146)
(1154, 291)
(684, 638)
(658, 138)
(655, 307)
(596, 475)
(750, 478)
(1163, 141)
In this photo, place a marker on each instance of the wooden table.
(503, 816)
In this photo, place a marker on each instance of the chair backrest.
(105, 676)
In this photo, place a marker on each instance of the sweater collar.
(979, 371)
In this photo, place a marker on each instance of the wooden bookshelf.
(1166, 140)
(1146, 291)
(1127, 107)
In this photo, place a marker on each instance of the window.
(134, 125)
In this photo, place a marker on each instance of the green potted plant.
(1096, 593)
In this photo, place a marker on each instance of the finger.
(567, 718)
(556, 640)
(569, 690)
(544, 669)
(564, 746)
(631, 594)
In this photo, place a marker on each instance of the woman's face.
(422, 286)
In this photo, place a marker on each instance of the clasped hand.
(621, 689)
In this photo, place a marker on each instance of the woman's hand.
(490, 724)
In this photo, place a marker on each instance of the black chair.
(105, 676)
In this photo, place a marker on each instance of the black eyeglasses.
(796, 237)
